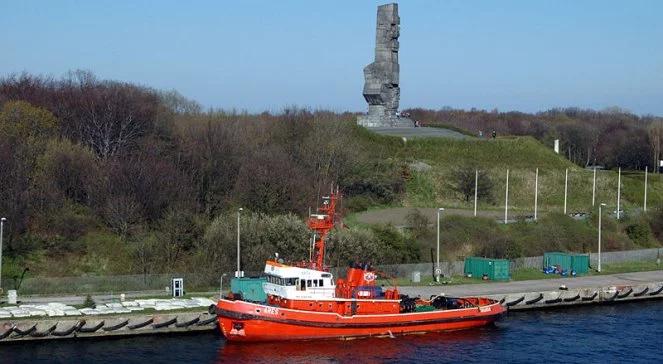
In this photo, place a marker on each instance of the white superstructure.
(298, 283)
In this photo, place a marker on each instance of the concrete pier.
(29, 329)
(546, 293)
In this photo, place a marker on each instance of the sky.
(267, 55)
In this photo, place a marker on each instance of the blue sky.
(264, 55)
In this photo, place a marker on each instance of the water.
(631, 332)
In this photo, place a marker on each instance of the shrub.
(639, 233)
(89, 302)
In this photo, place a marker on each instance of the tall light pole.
(476, 190)
(238, 274)
(536, 193)
(437, 265)
(2, 233)
(506, 198)
(594, 189)
(600, 213)
(619, 190)
(566, 188)
(645, 202)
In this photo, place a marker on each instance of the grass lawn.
(526, 274)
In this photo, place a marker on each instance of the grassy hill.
(521, 155)
(463, 235)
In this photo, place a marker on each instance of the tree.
(655, 131)
(462, 181)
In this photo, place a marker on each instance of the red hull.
(244, 321)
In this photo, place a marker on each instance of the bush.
(639, 233)
(89, 302)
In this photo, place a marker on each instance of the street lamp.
(600, 209)
(438, 271)
(238, 274)
(2, 226)
(221, 286)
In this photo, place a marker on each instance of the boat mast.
(321, 223)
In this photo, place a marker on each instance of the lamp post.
(238, 274)
(506, 198)
(619, 191)
(2, 233)
(594, 188)
(476, 190)
(600, 210)
(437, 265)
(566, 188)
(645, 199)
(536, 193)
(221, 286)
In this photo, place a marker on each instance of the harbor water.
(628, 332)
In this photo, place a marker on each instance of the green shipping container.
(250, 288)
(567, 261)
(496, 269)
(580, 263)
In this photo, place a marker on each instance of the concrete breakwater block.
(136, 323)
(187, 320)
(24, 328)
(163, 321)
(44, 328)
(90, 326)
(206, 319)
(66, 328)
(115, 324)
(6, 329)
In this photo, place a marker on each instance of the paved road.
(622, 279)
(103, 298)
(421, 132)
(397, 216)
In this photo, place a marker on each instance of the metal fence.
(156, 283)
(456, 268)
(195, 282)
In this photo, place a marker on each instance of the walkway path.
(622, 279)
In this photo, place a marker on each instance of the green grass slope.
(521, 155)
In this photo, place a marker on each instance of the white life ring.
(369, 276)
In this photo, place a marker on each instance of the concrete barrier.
(138, 324)
(562, 298)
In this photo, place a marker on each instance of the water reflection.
(371, 350)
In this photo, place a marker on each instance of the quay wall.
(52, 328)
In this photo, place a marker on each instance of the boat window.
(308, 283)
(326, 275)
(319, 282)
(303, 285)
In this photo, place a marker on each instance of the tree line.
(80, 155)
(611, 138)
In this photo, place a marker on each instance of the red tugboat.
(304, 302)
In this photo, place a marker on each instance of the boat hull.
(244, 321)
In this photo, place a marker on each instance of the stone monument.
(381, 89)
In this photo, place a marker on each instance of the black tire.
(535, 300)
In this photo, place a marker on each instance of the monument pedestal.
(381, 121)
